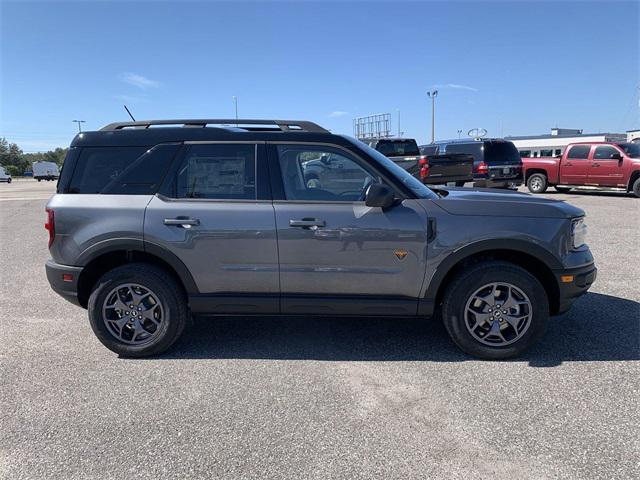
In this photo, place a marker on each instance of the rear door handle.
(595, 164)
(183, 222)
(307, 223)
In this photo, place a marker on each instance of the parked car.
(4, 176)
(151, 225)
(403, 151)
(496, 162)
(437, 169)
(598, 164)
(45, 171)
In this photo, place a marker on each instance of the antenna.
(125, 107)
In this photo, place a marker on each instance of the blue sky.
(512, 67)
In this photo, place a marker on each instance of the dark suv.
(150, 225)
(496, 162)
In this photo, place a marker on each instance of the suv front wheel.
(495, 310)
(137, 310)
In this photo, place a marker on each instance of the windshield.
(631, 149)
(501, 152)
(400, 173)
(398, 148)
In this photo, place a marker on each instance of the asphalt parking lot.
(310, 398)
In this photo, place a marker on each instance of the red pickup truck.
(598, 164)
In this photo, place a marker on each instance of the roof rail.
(246, 124)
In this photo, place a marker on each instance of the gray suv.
(156, 220)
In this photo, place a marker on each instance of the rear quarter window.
(97, 167)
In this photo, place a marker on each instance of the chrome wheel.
(498, 314)
(132, 314)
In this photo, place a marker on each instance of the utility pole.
(433, 96)
(79, 122)
(235, 102)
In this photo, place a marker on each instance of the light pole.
(79, 122)
(433, 96)
(235, 103)
(459, 134)
(399, 133)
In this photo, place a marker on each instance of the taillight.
(424, 167)
(482, 168)
(50, 226)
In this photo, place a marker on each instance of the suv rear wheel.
(495, 310)
(137, 310)
(537, 183)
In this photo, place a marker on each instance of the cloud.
(457, 86)
(138, 80)
(337, 113)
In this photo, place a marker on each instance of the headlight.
(578, 232)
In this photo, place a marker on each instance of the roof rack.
(244, 124)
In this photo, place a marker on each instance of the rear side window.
(474, 149)
(144, 175)
(217, 171)
(96, 167)
(398, 148)
(579, 151)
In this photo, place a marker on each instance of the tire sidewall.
(174, 311)
(636, 187)
(542, 178)
(454, 309)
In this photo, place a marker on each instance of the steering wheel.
(365, 188)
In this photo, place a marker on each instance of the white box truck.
(45, 171)
(4, 176)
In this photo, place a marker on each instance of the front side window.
(217, 171)
(579, 152)
(322, 174)
(605, 152)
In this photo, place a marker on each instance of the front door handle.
(184, 222)
(307, 223)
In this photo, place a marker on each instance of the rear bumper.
(64, 280)
(446, 179)
(497, 182)
(582, 279)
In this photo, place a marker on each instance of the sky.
(513, 68)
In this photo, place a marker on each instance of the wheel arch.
(121, 253)
(532, 171)
(533, 258)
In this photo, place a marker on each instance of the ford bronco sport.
(156, 220)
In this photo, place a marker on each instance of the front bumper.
(64, 280)
(571, 288)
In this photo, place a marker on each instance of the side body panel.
(574, 171)
(549, 165)
(86, 224)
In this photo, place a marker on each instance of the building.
(633, 135)
(555, 143)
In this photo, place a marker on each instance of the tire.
(9, 181)
(562, 189)
(170, 307)
(537, 183)
(635, 189)
(39, 179)
(459, 323)
(460, 184)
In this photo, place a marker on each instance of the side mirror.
(616, 156)
(378, 195)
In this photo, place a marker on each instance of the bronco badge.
(401, 254)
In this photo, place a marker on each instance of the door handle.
(595, 164)
(183, 222)
(568, 164)
(307, 223)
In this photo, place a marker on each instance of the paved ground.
(281, 398)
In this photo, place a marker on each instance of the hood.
(505, 203)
